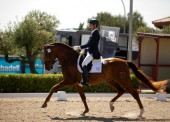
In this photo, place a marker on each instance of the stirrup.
(84, 84)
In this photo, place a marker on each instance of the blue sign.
(15, 67)
(38, 67)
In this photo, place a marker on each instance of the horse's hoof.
(83, 114)
(44, 105)
(140, 118)
(86, 111)
(112, 108)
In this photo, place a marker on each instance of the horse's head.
(49, 56)
(58, 52)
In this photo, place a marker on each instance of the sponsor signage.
(15, 67)
(10, 68)
(109, 41)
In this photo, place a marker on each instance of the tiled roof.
(154, 35)
(162, 22)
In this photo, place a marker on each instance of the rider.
(92, 46)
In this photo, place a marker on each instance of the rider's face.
(92, 27)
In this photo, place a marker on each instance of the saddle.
(95, 66)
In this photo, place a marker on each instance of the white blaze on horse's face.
(48, 58)
(49, 50)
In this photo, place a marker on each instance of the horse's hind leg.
(136, 97)
(53, 89)
(120, 90)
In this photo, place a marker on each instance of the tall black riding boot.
(85, 76)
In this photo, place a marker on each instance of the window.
(66, 40)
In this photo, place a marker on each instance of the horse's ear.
(49, 45)
(45, 46)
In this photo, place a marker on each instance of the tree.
(106, 19)
(166, 29)
(36, 30)
(6, 43)
(7, 47)
(81, 26)
(145, 29)
(137, 21)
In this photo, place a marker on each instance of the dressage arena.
(126, 109)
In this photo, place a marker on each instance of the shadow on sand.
(102, 119)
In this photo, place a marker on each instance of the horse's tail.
(156, 86)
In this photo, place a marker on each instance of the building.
(161, 22)
(153, 56)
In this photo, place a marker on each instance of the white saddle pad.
(96, 66)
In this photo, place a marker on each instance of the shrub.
(16, 83)
(134, 82)
(27, 82)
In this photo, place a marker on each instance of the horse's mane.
(63, 46)
(59, 44)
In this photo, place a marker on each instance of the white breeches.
(87, 59)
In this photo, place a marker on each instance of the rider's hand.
(76, 48)
(82, 52)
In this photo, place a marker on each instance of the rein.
(64, 62)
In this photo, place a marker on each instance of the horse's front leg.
(83, 98)
(53, 89)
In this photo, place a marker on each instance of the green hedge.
(16, 83)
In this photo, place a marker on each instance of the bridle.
(50, 63)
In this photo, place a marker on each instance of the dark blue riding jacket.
(92, 44)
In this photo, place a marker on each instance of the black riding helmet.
(94, 22)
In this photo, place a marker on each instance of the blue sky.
(72, 12)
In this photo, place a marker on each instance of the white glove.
(76, 48)
(82, 52)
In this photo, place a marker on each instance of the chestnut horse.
(115, 72)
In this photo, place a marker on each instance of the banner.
(15, 67)
(109, 41)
